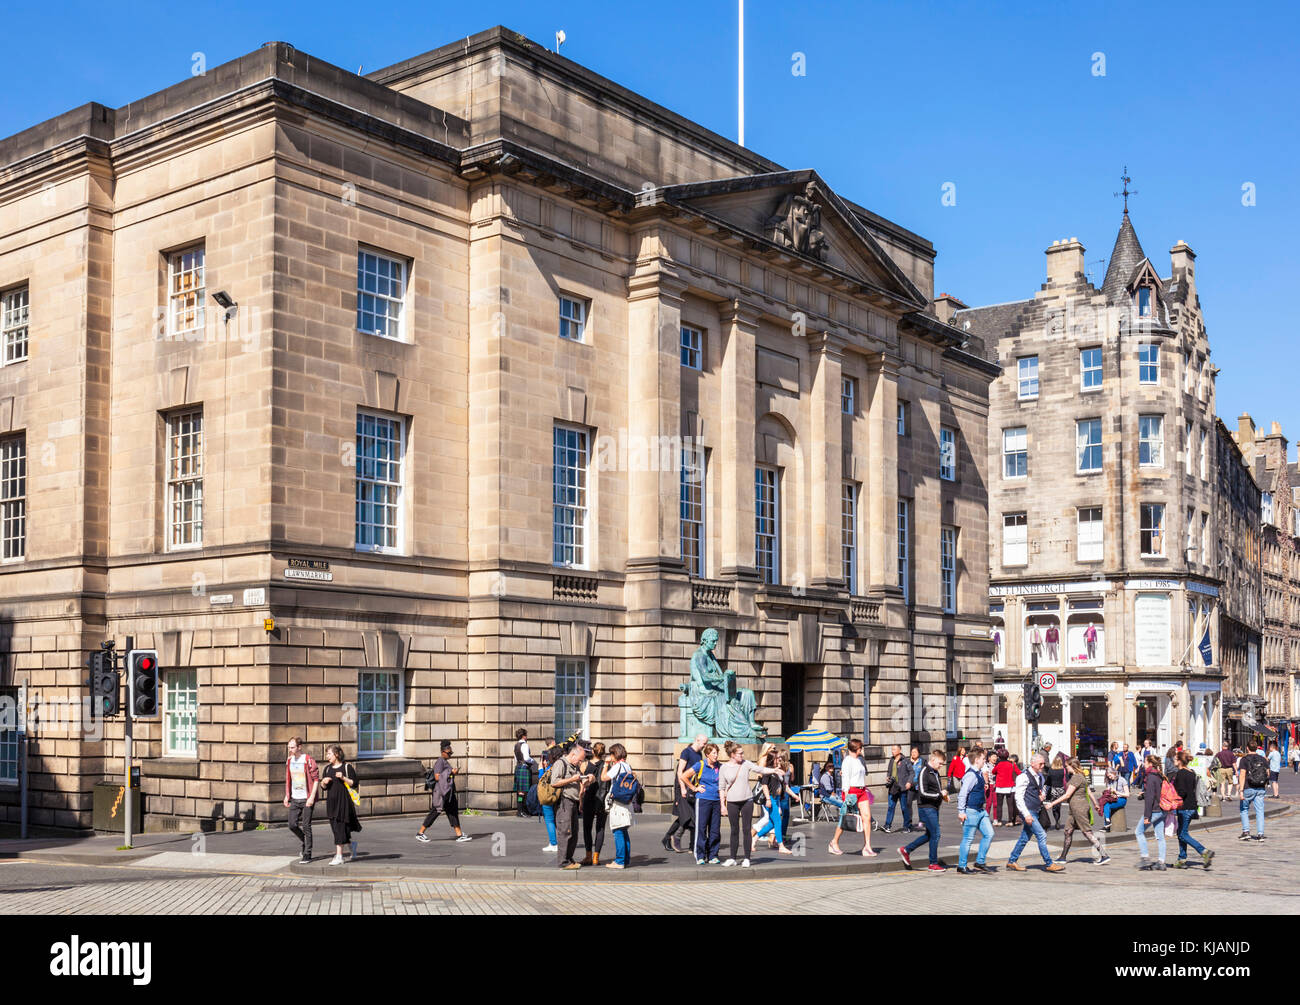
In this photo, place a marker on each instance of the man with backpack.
(1252, 780)
(441, 780)
(568, 777)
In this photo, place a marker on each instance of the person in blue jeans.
(778, 803)
(548, 812)
(1252, 781)
(1152, 816)
(1118, 784)
(971, 813)
(929, 794)
(708, 806)
(1185, 780)
(1031, 790)
(620, 813)
(901, 776)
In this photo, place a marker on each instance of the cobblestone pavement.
(1249, 878)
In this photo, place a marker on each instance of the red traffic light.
(147, 664)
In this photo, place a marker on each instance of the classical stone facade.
(1103, 502)
(493, 384)
(1279, 483)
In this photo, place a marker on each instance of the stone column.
(880, 551)
(739, 326)
(826, 458)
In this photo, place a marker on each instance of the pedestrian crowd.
(582, 789)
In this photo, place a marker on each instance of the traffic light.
(1033, 701)
(104, 682)
(142, 683)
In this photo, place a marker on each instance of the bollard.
(1118, 821)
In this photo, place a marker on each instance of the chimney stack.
(1065, 263)
(946, 305)
(1245, 436)
(1182, 260)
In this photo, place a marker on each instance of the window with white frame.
(1151, 441)
(767, 515)
(1090, 368)
(1152, 529)
(13, 497)
(1266, 507)
(379, 713)
(1089, 535)
(381, 447)
(184, 479)
(573, 319)
(1205, 538)
(1201, 381)
(692, 346)
(947, 454)
(1144, 301)
(1015, 452)
(1188, 449)
(948, 568)
(849, 535)
(181, 713)
(1191, 533)
(15, 316)
(572, 698)
(1027, 374)
(1187, 370)
(902, 418)
(1148, 363)
(9, 738)
(694, 464)
(1015, 539)
(1205, 457)
(849, 395)
(904, 521)
(950, 718)
(569, 497)
(186, 288)
(1088, 442)
(381, 295)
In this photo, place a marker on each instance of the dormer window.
(1144, 301)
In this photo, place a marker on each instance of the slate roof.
(989, 324)
(1125, 257)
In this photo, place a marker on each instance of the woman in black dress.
(337, 778)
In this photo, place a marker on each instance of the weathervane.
(1126, 193)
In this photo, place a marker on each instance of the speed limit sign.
(1047, 681)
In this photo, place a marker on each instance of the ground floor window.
(1089, 727)
(9, 734)
(572, 699)
(181, 713)
(379, 714)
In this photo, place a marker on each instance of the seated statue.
(712, 702)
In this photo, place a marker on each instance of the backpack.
(531, 804)
(1203, 794)
(430, 780)
(624, 788)
(1170, 800)
(1256, 772)
(547, 794)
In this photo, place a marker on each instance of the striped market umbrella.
(816, 741)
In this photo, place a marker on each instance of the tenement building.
(1241, 606)
(455, 398)
(1102, 503)
(1279, 483)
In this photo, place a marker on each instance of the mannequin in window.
(1090, 640)
(1036, 639)
(1053, 639)
(997, 646)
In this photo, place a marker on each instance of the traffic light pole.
(1033, 662)
(130, 645)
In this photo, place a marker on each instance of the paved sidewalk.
(510, 848)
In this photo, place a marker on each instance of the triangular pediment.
(1145, 272)
(795, 213)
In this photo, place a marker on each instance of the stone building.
(493, 384)
(1241, 613)
(1102, 502)
(1279, 484)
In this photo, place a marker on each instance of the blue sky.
(898, 98)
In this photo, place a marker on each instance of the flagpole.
(740, 83)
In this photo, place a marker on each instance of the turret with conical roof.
(1124, 259)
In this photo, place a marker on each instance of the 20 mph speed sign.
(1047, 681)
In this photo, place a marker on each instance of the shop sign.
(1031, 589)
(1153, 584)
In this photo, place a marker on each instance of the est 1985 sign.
(1047, 681)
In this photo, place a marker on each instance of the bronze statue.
(712, 703)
